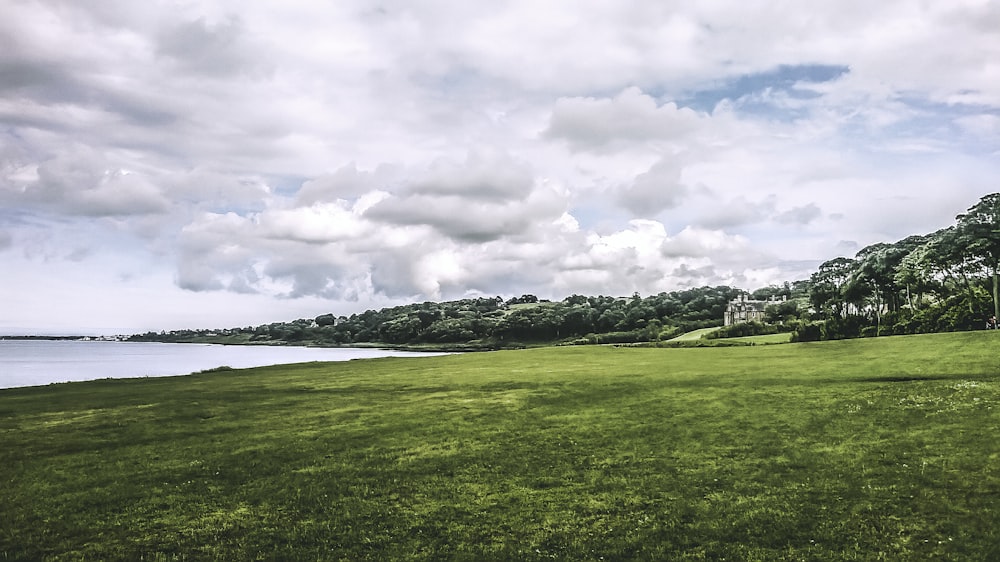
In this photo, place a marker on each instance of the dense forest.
(942, 281)
(492, 323)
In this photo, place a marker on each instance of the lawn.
(694, 335)
(766, 339)
(875, 449)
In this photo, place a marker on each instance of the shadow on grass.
(905, 378)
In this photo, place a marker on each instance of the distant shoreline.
(59, 338)
(430, 348)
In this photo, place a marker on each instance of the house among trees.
(743, 309)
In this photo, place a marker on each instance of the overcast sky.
(191, 164)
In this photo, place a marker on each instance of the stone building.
(743, 309)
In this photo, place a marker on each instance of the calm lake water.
(37, 362)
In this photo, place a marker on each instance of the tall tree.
(979, 233)
(828, 283)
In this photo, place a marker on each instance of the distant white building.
(744, 309)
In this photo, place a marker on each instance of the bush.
(622, 337)
(743, 329)
(808, 331)
(843, 328)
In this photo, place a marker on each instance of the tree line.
(937, 282)
(493, 322)
(943, 281)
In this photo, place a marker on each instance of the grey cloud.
(309, 277)
(218, 49)
(39, 79)
(847, 247)
(84, 183)
(458, 218)
(799, 215)
(481, 214)
(79, 254)
(345, 183)
(6, 240)
(737, 212)
(485, 174)
(212, 252)
(684, 271)
(655, 190)
(57, 64)
(392, 274)
(197, 277)
(31, 66)
(234, 253)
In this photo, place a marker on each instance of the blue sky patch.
(782, 79)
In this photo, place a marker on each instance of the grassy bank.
(877, 449)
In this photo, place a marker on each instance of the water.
(39, 362)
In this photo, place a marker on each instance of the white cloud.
(320, 223)
(697, 243)
(632, 116)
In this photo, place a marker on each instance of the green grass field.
(766, 339)
(874, 449)
(694, 335)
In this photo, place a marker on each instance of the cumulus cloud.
(657, 189)
(346, 183)
(697, 243)
(274, 252)
(631, 116)
(81, 182)
(485, 174)
(319, 223)
(487, 197)
(468, 220)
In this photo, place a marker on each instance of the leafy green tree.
(874, 276)
(828, 295)
(579, 320)
(326, 320)
(979, 232)
(781, 311)
(916, 275)
(948, 262)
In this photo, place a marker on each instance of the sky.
(208, 164)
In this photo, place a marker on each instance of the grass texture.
(874, 449)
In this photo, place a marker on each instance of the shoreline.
(38, 362)
(431, 348)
